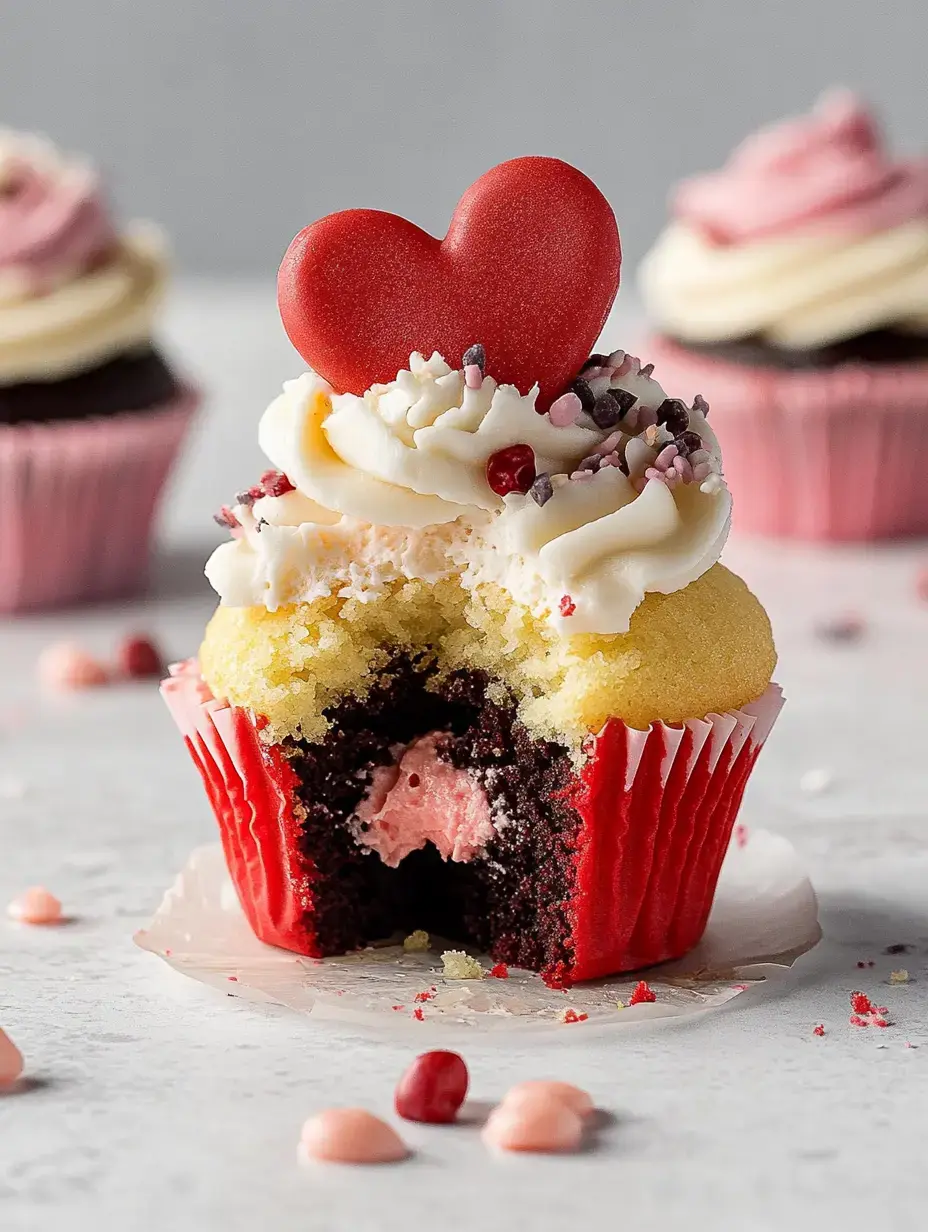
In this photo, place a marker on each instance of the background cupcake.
(791, 289)
(91, 416)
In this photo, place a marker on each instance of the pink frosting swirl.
(828, 171)
(53, 221)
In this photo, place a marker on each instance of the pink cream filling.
(420, 800)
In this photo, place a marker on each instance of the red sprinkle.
(567, 605)
(640, 993)
(433, 1088)
(819, 1030)
(573, 1016)
(139, 658)
(275, 483)
(861, 1003)
(418, 1014)
(511, 469)
(499, 972)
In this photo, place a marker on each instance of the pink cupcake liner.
(656, 810)
(78, 502)
(833, 454)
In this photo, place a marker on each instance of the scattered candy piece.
(571, 1015)
(813, 782)
(576, 1099)
(511, 469)
(899, 977)
(565, 410)
(473, 377)
(351, 1136)
(35, 906)
(819, 1030)
(433, 1088)
(418, 1014)
(11, 1061)
(138, 658)
(475, 356)
(542, 489)
(641, 993)
(861, 1003)
(460, 966)
(846, 628)
(499, 972)
(544, 1125)
(64, 665)
(417, 942)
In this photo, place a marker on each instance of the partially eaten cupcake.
(476, 669)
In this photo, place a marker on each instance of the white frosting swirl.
(798, 290)
(393, 485)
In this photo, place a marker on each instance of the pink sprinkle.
(611, 459)
(609, 445)
(701, 471)
(819, 1030)
(683, 469)
(740, 987)
(351, 1136)
(565, 410)
(628, 366)
(741, 834)
(11, 1061)
(583, 476)
(473, 377)
(666, 456)
(35, 906)
(64, 665)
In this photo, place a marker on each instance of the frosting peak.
(628, 495)
(828, 172)
(73, 291)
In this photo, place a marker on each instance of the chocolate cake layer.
(134, 381)
(513, 900)
(879, 346)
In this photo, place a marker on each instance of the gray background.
(235, 122)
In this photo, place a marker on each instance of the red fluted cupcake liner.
(830, 454)
(656, 809)
(78, 503)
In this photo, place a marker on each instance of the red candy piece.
(529, 268)
(511, 469)
(642, 992)
(139, 657)
(433, 1088)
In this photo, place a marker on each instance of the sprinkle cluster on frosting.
(73, 291)
(577, 512)
(811, 234)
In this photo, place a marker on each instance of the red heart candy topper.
(529, 268)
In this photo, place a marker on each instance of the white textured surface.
(156, 1103)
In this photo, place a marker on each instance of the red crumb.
(418, 1014)
(573, 1016)
(138, 658)
(567, 606)
(641, 992)
(741, 834)
(499, 972)
(557, 977)
(397, 1007)
(819, 1030)
(427, 994)
(233, 978)
(275, 483)
(861, 1003)
(863, 965)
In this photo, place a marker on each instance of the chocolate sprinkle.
(475, 354)
(595, 361)
(647, 370)
(542, 489)
(225, 517)
(701, 405)
(584, 393)
(687, 443)
(590, 463)
(672, 413)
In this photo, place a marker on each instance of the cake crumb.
(642, 992)
(460, 966)
(499, 972)
(899, 977)
(426, 994)
(620, 1005)
(417, 942)
(571, 1015)
(819, 1030)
